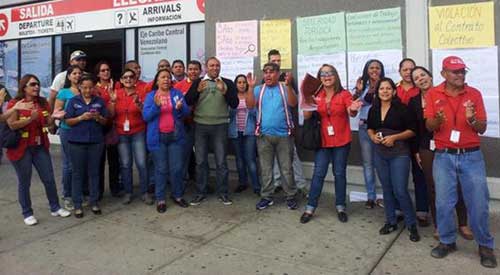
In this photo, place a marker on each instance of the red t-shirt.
(335, 115)
(438, 98)
(406, 95)
(183, 85)
(33, 134)
(125, 108)
(166, 123)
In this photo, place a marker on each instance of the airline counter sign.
(67, 16)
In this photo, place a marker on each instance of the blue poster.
(9, 66)
(36, 58)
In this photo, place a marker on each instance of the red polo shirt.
(125, 108)
(337, 116)
(183, 85)
(406, 95)
(438, 98)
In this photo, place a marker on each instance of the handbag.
(9, 138)
(310, 137)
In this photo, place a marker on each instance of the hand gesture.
(288, 79)
(58, 114)
(137, 101)
(356, 105)
(388, 141)
(202, 86)
(21, 105)
(178, 104)
(377, 139)
(112, 95)
(470, 110)
(221, 86)
(252, 80)
(3, 93)
(359, 85)
(87, 116)
(158, 99)
(34, 114)
(440, 117)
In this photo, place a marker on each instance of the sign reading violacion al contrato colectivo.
(68, 16)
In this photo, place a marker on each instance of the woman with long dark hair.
(241, 133)
(69, 90)
(373, 71)
(390, 126)
(86, 114)
(164, 111)
(33, 147)
(335, 105)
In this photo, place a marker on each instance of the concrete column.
(417, 31)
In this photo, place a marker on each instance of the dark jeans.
(188, 151)
(168, 165)
(427, 156)
(421, 199)
(39, 157)
(133, 148)
(216, 135)
(393, 173)
(245, 149)
(115, 184)
(84, 160)
(67, 168)
(338, 157)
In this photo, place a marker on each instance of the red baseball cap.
(453, 63)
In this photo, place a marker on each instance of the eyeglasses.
(128, 77)
(33, 84)
(325, 73)
(104, 70)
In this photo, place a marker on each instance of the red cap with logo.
(453, 63)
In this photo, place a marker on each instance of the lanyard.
(455, 110)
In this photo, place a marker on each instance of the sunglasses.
(128, 77)
(33, 84)
(325, 73)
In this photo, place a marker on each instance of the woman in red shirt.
(335, 105)
(33, 147)
(105, 86)
(126, 106)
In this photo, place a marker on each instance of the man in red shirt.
(455, 113)
(193, 73)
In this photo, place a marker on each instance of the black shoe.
(96, 210)
(225, 200)
(78, 213)
(414, 236)
(442, 250)
(342, 215)
(181, 202)
(240, 188)
(488, 258)
(306, 217)
(388, 228)
(197, 200)
(370, 204)
(161, 207)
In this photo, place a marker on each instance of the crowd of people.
(167, 126)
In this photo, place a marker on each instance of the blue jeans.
(393, 173)
(338, 157)
(367, 152)
(168, 165)
(217, 136)
(40, 158)
(468, 169)
(245, 149)
(85, 159)
(66, 163)
(128, 147)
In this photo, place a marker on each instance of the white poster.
(36, 58)
(356, 62)
(231, 67)
(197, 36)
(311, 64)
(481, 75)
(166, 42)
(9, 66)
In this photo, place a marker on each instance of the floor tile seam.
(387, 248)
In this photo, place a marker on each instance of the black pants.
(115, 185)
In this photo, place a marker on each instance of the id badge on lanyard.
(329, 128)
(126, 124)
(455, 134)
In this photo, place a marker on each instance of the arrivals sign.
(68, 16)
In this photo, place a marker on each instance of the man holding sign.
(455, 113)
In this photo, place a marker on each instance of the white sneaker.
(61, 212)
(30, 220)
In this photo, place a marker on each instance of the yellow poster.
(276, 34)
(462, 26)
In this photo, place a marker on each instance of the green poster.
(374, 30)
(321, 34)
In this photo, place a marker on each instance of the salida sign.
(46, 18)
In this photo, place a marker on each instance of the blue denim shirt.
(85, 131)
(250, 123)
(151, 114)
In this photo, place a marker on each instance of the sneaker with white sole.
(61, 213)
(30, 221)
(68, 204)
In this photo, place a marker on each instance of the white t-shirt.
(58, 82)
